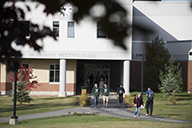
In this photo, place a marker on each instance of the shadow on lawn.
(185, 95)
(35, 106)
(52, 98)
(180, 99)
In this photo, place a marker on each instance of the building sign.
(77, 55)
(60, 55)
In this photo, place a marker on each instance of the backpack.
(120, 92)
(151, 95)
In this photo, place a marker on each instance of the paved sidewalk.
(114, 109)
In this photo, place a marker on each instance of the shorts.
(106, 98)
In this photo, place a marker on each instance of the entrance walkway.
(114, 109)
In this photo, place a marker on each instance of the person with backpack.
(96, 93)
(120, 92)
(150, 96)
(105, 92)
(138, 101)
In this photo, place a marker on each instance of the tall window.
(71, 30)
(100, 32)
(56, 28)
(54, 73)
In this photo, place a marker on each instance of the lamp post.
(142, 57)
(14, 119)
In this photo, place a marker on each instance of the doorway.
(110, 70)
(95, 72)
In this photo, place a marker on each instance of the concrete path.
(114, 109)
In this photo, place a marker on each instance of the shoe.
(134, 117)
(147, 115)
(95, 107)
(103, 106)
(139, 118)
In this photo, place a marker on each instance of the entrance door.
(106, 76)
(94, 72)
(102, 73)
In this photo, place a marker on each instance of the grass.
(164, 108)
(91, 121)
(39, 105)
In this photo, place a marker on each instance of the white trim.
(5, 92)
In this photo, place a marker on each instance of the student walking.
(105, 92)
(120, 92)
(138, 101)
(150, 96)
(96, 93)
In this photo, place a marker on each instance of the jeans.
(101, 89)
(149, 104)
(137, 109)
(120, 99)
(96, 98)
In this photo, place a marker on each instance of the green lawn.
(39, 105)
(162, 107)
(91, 121)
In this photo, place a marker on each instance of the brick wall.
(6, 86)
(71, 87)
(54, 87)
(189, 87)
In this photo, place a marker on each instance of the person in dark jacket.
(150, 96)
(138, 101)
(105, 92)
(120, 92)
(96, 93)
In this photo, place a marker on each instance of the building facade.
(83, 54)
(63, 66)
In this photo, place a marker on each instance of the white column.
(126, 76)
(62, 86)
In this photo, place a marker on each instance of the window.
(56, 28)
(100, 32)
(24, 28)
(71, 30)
(54, 73)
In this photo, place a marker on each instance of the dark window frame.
(53, 71)
(56, 28)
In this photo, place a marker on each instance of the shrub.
(75, 113)
(171, 80)
(83, 99)
(173, 98)
(129, 100)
